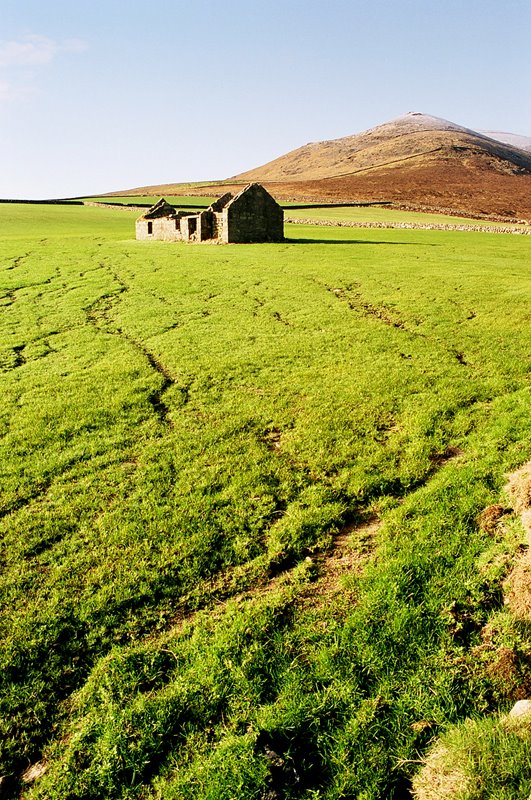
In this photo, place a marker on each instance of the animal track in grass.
(99, 315)
(280, 319)
(351, 549)
(16, 262)
(355, 302)
(388, 316)
(9, 297)
(352, 546)
(460, 358)
(19, 355)
(39, 490)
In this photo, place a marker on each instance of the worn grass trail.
(182, 427)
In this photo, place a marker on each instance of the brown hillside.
(414, 138)
(455, 188)
(416, 161)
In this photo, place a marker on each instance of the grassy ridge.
(144, 200)
(182, 427)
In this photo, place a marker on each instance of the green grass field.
(240, 492)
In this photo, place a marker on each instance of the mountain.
(416, 161)
(414, 137)
(523, 142)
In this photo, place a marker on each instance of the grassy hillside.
(149, 200)
(241, 555)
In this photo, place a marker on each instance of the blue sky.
(111, 94)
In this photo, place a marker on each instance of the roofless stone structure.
(250, 216)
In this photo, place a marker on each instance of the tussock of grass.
(479, 760)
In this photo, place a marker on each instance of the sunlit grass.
(183, 426)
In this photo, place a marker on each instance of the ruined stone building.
(250, 216)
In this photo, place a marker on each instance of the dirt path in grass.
(352, 549)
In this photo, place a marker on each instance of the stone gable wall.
(253, 217)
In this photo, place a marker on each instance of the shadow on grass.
(356, 241)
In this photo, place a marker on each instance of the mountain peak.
(421, 121)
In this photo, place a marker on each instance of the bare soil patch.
(490, 518)
(352, 547)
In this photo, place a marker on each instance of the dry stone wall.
(419, 226)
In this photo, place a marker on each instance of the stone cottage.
(250, 216)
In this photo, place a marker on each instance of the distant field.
(176, 200)
(144, 200)
(346, 214)
(375, 214)
(240, 500)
